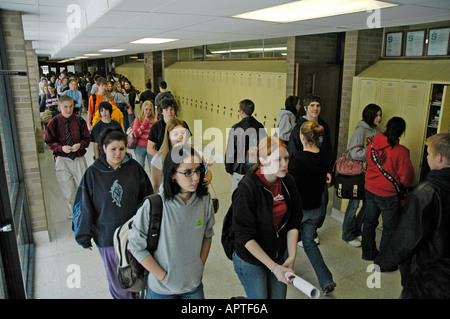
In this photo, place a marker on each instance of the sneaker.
(329, 289)
(300, 244)
(316, 240)
(354, 243)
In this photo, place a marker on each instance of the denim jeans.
(323, 206)
(390, 210)
(197, 293)
(311, 219)
(258, 281)
(140, 152)
(351, 227)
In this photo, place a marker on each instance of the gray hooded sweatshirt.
(362, 136)
(184, 228)
(287, 123)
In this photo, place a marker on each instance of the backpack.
(228, 234)
(131, 274)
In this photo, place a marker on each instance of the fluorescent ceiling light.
(111, 50)
(250, 50)
(92, 54)
(312, 9)
(152, 41)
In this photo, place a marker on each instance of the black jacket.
(423, 230)
(253, 217)
(295, 144)
(243, 136)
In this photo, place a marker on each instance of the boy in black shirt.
(105, 109)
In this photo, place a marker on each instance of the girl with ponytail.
(309, 168)
(381, 194)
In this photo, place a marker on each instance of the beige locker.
(404, 88)
(444, 122)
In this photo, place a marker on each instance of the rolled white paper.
(302, 285)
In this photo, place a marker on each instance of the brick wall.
(362, 49)
(22, 58)
(290, 66)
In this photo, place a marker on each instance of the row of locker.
(404, 98)
(214, 95)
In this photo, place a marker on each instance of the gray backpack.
(132, 275)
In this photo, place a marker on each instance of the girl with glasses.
(176, 267)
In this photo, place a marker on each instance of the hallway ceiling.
(55, 32)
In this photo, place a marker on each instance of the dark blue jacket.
(107, 198)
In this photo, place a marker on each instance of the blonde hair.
(265, 148)
(313, 133)
(107, 96)
(152, 110)
(439, 144)
(166, 146)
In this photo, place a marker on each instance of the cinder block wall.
(21, 57)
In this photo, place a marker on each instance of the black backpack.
(131, 274)
(228, 234)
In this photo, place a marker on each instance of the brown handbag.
(348, 166)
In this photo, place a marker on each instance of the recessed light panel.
(312, 9)
(112, 50)
(152, 41)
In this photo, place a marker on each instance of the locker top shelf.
(417, 70)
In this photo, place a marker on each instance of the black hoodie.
(107, 198)
(422, 234)
(253, 217)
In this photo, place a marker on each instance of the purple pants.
(110, 262)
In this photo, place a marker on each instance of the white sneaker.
(354, 243)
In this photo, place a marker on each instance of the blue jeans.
(351, 227)
(323, 206)
(141, 153)
(311, 218)
(197, 293)
(258, 281)
(390, 209)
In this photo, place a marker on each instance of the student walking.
(309, 168)
(141, 129)
(381, 194)
(266, 222)
(242, 139)
(176, 267)
(109, 195)
(420, 242)
(364, 132)
(67, 135)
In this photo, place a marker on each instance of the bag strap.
(385, 174)
(156, 209)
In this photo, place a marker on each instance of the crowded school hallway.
(59, 257)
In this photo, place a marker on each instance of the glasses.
(190, 173)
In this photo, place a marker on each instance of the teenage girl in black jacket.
(266, 218)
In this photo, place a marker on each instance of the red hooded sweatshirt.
(395, 161)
